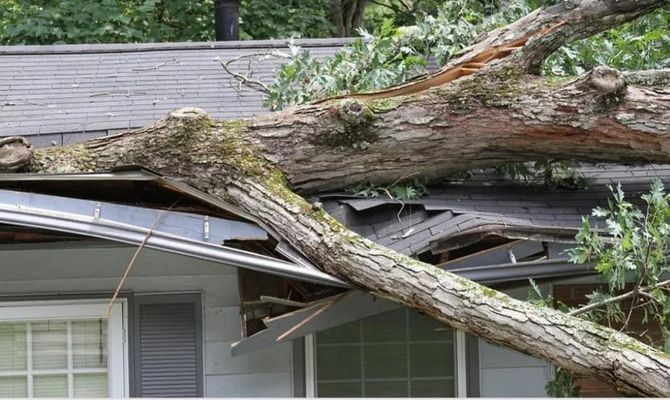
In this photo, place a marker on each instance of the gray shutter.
(168, 347)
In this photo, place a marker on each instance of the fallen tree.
(485, 107)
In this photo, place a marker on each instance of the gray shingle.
(452, 209)
(80, 88)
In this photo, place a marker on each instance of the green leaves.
(563, 384)
(389, 56)
(415, 190)
(104, 21)
(269, 19)
(640, 44)
(633, 251)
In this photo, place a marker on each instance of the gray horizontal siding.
(50, 271)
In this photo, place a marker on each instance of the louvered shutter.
(168, 355)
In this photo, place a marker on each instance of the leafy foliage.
(563, 384)
(548, 172)
(267, 19)
(640, 44)
(399, 12)
(389, 56)
(123, 21)
(379, 62)
(636, 244)
(634, 250)
(104, 21)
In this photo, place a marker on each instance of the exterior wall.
(509, 373)
(266, 373)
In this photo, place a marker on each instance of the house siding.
(266, 373)
(508, 373)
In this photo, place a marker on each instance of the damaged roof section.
(456, 215)
(165, 215)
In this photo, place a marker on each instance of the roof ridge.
(167, 46)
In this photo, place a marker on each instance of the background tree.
(268, 19)
(104, 21)
(129, 21)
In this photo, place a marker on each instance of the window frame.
(461, 364)
(72, 310)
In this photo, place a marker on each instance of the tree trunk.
(445, 123)
(347, 16)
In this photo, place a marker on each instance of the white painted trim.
(310, 366)
(461, 365)
(29, 355)
(70, 362)
(117, 359)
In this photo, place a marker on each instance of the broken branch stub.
(15, 153)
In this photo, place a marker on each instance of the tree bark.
(347, 16)
(498, 114)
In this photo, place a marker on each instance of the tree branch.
(245, 79)
(643, 291)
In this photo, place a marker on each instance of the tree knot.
(188, 122)
(188, 113)
(15, 153)
(354, 112)
(608, 81)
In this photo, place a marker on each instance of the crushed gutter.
(188, 234)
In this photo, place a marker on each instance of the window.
(61, 349)
(394, 354)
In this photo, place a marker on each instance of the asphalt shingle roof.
(72, 93)
(453, 208)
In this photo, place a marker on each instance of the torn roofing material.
(454, 215)
(354, 305)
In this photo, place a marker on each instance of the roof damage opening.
(135, 206)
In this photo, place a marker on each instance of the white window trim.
(310, 366)
(461, 365)
(117, 363)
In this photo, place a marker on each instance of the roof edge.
(148, 47)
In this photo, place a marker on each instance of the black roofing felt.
(451, 210)
(72, 93)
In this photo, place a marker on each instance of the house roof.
(70, 93)
(63, 94)
(458, 214)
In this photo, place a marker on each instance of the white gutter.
(175, 232)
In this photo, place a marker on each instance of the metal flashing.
(489, 274)
(137, 174)
(175, 232)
